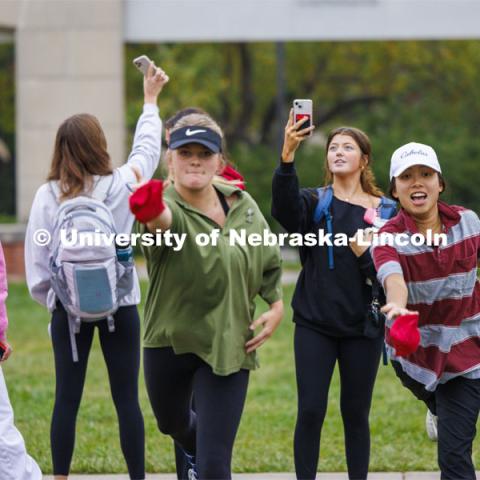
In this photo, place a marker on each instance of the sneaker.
(192, 470)
(431, 424)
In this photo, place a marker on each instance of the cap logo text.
(413, 152)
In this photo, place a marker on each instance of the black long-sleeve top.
(333, 302)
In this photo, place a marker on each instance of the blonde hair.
(198, 120)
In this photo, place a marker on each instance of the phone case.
(303, 107)
(142, 63)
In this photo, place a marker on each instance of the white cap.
(413, 154)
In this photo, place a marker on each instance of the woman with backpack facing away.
(199, 312)
(81, 166)
(333, 293)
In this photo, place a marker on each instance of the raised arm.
(145, 154)
(288, 205)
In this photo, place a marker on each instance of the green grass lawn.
(264, 442)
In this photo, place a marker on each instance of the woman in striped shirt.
(440, 283)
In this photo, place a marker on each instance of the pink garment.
(3, 296)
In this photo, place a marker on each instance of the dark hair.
(80, 152)
(391, 187)
(367, 177)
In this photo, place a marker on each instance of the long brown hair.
(80, 152)
(367, 177)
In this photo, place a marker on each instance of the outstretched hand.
(405, 335)
(146, 201)
(392, 311)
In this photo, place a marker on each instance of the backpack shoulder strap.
(325, 196)
(55, 190)
(102, 188)
(387, 208)
(100, 192)
(322, 210)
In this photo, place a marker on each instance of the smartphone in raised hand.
(142, 63)
(303, 107)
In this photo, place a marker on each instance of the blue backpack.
(387, 209)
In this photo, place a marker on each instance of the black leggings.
(457, 404)
(315, 358)
(121, 350)
(209, 432)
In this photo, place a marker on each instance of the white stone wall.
(299, 20)
(69, 59)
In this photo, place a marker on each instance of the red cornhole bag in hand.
(404, 334)
(229, 173)
(146, 203)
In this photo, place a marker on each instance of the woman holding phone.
(332, 294)
(80, 166)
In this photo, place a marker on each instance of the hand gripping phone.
(302, 108)
(142, 63)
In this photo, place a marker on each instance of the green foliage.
(7, 129)
(396, 91)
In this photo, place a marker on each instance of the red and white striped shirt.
(443, 287)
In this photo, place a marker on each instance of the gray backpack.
(87, 278)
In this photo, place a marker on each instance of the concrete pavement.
(278, 476)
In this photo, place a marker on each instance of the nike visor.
(195, 134)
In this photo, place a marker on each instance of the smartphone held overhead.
(142, 63)
(303, 108)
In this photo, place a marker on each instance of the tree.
(396, 91)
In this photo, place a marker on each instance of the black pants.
(315, 358)
(121, 350)
(209, 432)
(457, 404)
